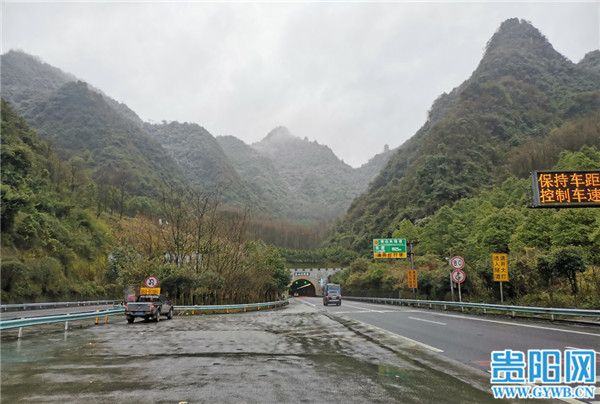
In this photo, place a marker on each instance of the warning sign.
(412, 279)
(500, 262)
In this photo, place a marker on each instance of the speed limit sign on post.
(458, 276)
(457, 262)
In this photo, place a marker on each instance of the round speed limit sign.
(152, 281)
(457, 262)
(458, 276)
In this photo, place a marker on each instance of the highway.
(469, 339)
(305, 352)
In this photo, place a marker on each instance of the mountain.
(516, 100)
(259, 174)
(302, 180)
(80, 121)
(26, 79)
(198, 154)
(281, 176)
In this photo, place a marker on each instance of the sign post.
(451, 286)
(458, 276)
(500, 266)
(389, 248)
(151, 286)
(412, 281)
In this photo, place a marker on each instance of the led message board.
(566, 189)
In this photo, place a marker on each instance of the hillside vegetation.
(522, 106)
(63, 238)
(102, 200)
(460, 186)
(554, 255)
(118, 147)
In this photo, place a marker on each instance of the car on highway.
(332, 294)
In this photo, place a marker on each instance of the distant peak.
(280, 132)
(521, 34)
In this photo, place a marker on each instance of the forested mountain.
(508, 118)
(104, 136)
(52, 245)
(303, 180)
(281, 177)
(258, 172)
(56, 244)
(70, 203)
(27, 80)
(202, 160)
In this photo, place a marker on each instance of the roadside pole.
(412, 266)
(500, 268)
(457, 276)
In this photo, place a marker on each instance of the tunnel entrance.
(302, 287)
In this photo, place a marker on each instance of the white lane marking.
(310, 304)
(517, 324)
(360, 311)
(364, 308)
(427, 321)
(402, 337)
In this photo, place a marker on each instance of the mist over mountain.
(516, 113)
(304, 179)
(84, 177)
(521, 91)
(282, 175)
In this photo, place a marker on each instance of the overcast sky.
(351, 75)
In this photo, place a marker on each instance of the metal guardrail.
(483, 306)
(30, 306)
(30, 321)
(226, 307)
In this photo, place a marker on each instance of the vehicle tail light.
(152, 307)
(126, 306)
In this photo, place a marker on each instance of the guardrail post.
(66, 326)
(20, 332)
(551, 317)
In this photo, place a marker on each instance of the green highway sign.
(389, 248)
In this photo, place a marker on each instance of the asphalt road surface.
(469, 339)
(303, 353)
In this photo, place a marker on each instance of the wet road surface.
(298, 354)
